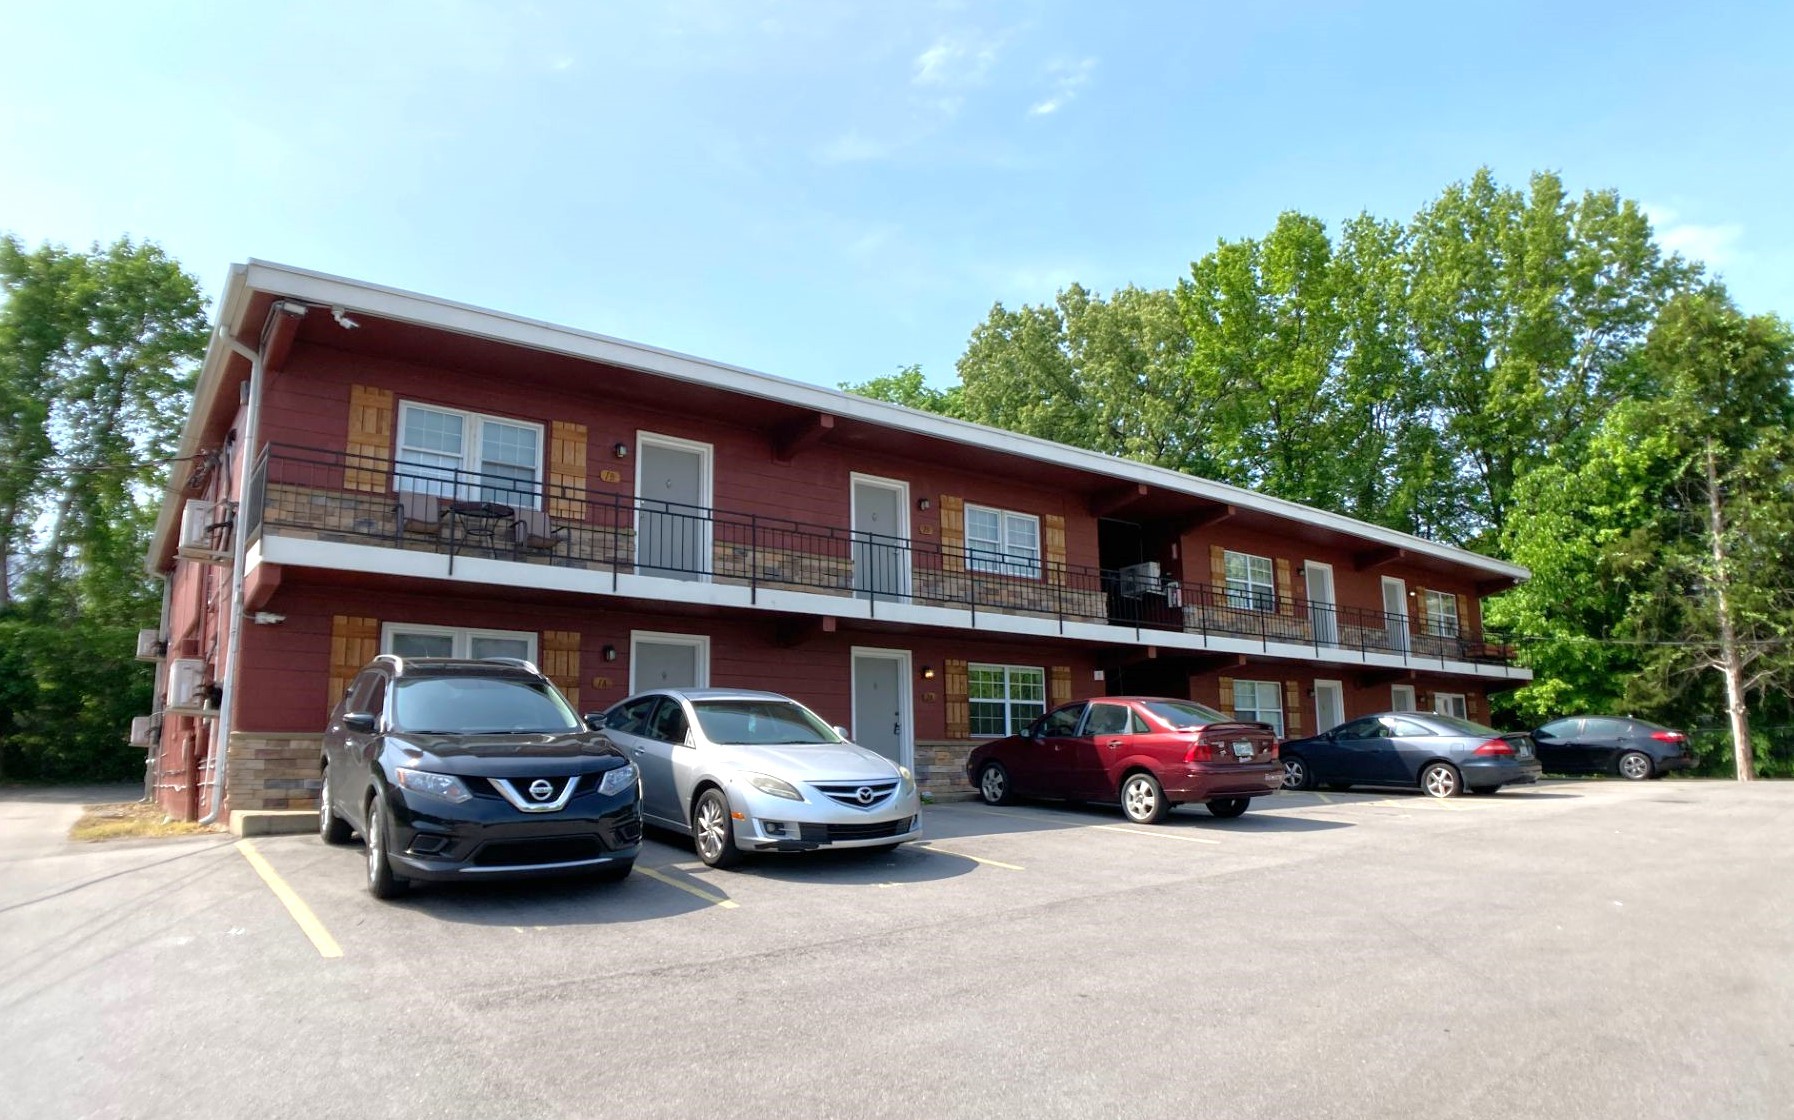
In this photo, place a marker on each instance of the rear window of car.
(1184, 713)
(480, 705)
(1452, 724)
(761, 723)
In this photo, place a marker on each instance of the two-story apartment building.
(369, 470)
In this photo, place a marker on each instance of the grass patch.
(131, 820)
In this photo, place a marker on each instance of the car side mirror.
(364, 722)
(595, 720)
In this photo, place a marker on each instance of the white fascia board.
(393, 303)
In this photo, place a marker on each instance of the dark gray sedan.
(1443, 755)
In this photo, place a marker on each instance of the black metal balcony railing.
(332, 495)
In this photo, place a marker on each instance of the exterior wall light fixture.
(610, 653)
(928, 672)
(621, 450)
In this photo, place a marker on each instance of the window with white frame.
(468, 456)
(1004, 699)
(1441, 614)
(1250, 585)
(409, 639)
(1450, 704)
(1259, 701)
(1002, 542)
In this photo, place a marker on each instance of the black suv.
(455, 769)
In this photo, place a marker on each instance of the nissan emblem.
(541, 789)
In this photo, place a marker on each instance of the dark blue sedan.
(1443, 755)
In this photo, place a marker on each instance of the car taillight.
(1200, 751)
(1496, 747)
(1274, 748)
(1668, 736)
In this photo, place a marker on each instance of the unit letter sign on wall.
(610, 476)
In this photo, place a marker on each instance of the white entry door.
(672, 521)
(881, 704)
(1329, 705)
(1395, 612)
(1321, 608)
(880, 538)
(668, 661)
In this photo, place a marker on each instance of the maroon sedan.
(1150, 752)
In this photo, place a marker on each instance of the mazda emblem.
(541, 789)
(864, 795)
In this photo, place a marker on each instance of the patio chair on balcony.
(417, 515)
(536, 535)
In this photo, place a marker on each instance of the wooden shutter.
(1059, 685)
(1226, 704)
(354, 641)
(1292, 707)
(370, 439)
(953, 534)
(959, 710)
(560, 662)
(1463, 616)
(1286, 591)
(1420, 610)
(1053, 547)
(1217, 568)
(1473, 708)
(567, 471)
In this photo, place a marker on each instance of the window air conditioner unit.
(144, 731)
(1139, 579)
(205, 530)
(150, 646)
(186, 683)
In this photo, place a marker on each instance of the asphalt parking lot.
(1572, 949)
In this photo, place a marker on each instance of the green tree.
(908, 388)
(97, 356)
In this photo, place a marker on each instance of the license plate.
(1243, 751)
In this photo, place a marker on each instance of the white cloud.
(1070, 78)
(1714, 245)
(956, 61)
(853, 148)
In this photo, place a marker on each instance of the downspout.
(246, 457)
(152, 766)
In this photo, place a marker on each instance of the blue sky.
(829, 191)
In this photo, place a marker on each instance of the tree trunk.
(1730, 660)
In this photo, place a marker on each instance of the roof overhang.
(252, 288)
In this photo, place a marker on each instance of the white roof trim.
(394, 303)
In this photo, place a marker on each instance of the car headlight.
(616, 781)
(778, 787)
(908, 779)
(446, 786)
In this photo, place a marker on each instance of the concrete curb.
(271, 822)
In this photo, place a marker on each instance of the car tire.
(1228, 808)
(332, 829)
(382, 882)
(613, 872)
(1485, 791)
(713, 831)
(993, 784)
(1143, 799)
(1440, 779)
(1296, 774)
(1634, 766)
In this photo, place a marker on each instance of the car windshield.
(479, 705)
(1452, 724)
(761, 723)
(1184, 713)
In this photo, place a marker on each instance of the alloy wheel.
(712, 830)
(1140, 798)
(993, 785)
(1634, 767)
(1295, 775)
(376, 841)
(1439, 780)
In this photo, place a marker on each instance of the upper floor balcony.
(620, 544)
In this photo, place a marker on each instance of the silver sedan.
(744, 771)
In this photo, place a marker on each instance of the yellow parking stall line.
(1159, 833)
(308, 922)
(1323, 797)
(697, 892)
(932, 847)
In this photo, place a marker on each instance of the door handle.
(1114, 744)
(897, 729)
